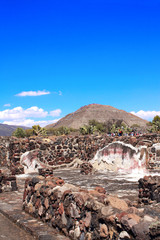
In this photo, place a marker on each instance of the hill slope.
(101, 113)
(7, 130)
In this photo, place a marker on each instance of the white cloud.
(55, 113)
(35, 112)
(19, 113)
(25, 117)
(30, 122)
(32, 93)
(148, 115)
(7, 105)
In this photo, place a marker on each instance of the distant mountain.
(7, 130)
(101, 113)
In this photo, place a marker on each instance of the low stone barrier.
(7, 182)
(85, 214)
(149, 189)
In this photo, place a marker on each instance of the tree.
(156, 119)
(37, 130)
(83, 130)
(97, 126)
(60, 131)
(29, 132)
(113, 129)
(156, 124)
(19, 133)
(64, 130)
(149, 124)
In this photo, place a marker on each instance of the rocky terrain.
(85, 212)
(101, 113)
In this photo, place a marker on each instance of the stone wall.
(65, 149)
(154, 156)
(86, 214)
(149, 189)
(4, 151)
(7, 182)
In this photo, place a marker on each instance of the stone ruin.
(86, 214)
(154, 156)
(64, 150)
(149, 189)
(120, 156)
(7, 181)
(79, 213)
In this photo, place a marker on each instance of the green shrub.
(29, 132)
(19, 133)
(60, 131)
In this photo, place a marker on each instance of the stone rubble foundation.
(86, 214)
(7, 182)
(149, 189)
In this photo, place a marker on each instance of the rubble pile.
(86, 214)
(149, 189)
(7, 182)
(86, 168)
(45, 172)
(16, 169)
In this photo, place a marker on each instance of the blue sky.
(56, 56)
